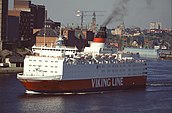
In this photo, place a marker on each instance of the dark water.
(156, 98)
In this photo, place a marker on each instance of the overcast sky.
(136, 12)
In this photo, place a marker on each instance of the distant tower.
(93, 23)
(123, 24)
(3, 21)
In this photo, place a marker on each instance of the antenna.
(44, 35)
(45, 27)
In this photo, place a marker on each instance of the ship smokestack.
(101, 35)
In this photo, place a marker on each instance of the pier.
(4, 70)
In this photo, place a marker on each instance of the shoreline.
(5, 70)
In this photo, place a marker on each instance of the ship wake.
(78, 93)
(160, 84)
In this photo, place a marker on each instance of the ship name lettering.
(106, 82)
(117, 81)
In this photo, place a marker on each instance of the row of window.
(41, 66)
(112, 66)
(120, 65)
(43, 71)
(119, 70)
(42, 61)
(106, 67)
(59, 50)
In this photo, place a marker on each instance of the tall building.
(23, 11)
(3, 21)
(25, 23)
(22, 5)
(13, 29)
(38, 13)
(31, 17)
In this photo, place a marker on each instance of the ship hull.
(86, 85)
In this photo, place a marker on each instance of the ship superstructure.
(62, 69)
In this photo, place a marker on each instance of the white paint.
(106, 82)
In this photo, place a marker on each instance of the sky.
(135, 12)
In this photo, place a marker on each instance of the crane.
(82, 14)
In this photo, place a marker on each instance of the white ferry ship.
(62, 69)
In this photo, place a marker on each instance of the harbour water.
(156, 98)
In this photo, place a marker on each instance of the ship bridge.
(54, 51)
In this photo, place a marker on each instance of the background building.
(48, 35)
(13, 29)
(25, 25)
(77, 37)
(120, 30)
(3, 21)
(155, 25)
(22, 11)
(38, 13)
(22, 5)
(31, 17)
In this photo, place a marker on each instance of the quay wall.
(10, 70)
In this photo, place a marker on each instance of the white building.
(155, 25)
